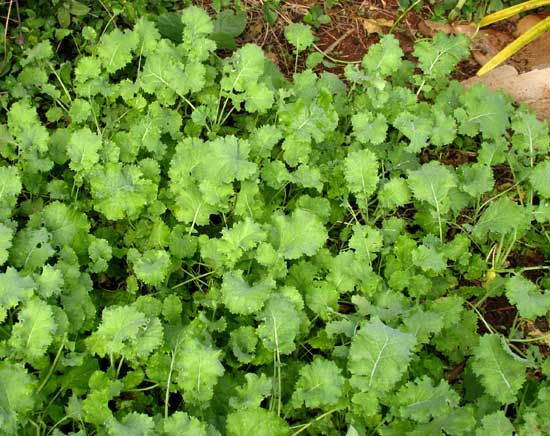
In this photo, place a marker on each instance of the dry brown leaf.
(376, 25)
(534, 332)
(525, 23)
(430, 28)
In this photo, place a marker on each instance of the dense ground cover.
(194, 244)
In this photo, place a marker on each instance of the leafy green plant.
(196, 245)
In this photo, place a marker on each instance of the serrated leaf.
(530, 134)
(31, 248)
(198, 368)
(115, 49)
(243, 343)
(483, 112)
(420, 400)
(132, 424)
(125, 331)
(503, 216)
(319, 385)
(432, 184)
(361, 173)
(496, 424)
(378, 356)
(17, 395)
(181, 423)
(288, 237)
(383, 58)
(429, 259)
(369, 128)
(417, 128)
(280, 323)
(394, 193)
(501, 374)
(256, 421)
(539, 177)
(527, 297)
(299, 35)
(151, 266)
(476, 179)
(83, 149)
(33, 333)
(242, 298)
(438, 58)
(121, 191)
(14, 288)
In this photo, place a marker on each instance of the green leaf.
(417, 128)
(50, 281)
(198, 368)
(197, 22)
(33, 332)
(180, 423)
(67, 226)
(502, 374)
(95, 407)
(280, 324)
(368, 128)
(83, 148)
(240, 297)
(444, 127)
(439, 57)
(151, 267)
(457, 423)
(527, 297)
(384, 58)
(25, 126)
(115, 49)
(243, 343)
(476, 179)
(394, 193)
(503, 216)
(125, 332)
(299, 35)
(228, 160)
(100, 253)
(378, 356)
(248, 65)
(530, 135)
(17, 396)
(253, 392)
(10, 187)
(255, 421)
(432, 184)
(429, 259)
(170, 26)
(361, 173)
(31, 248)
(288, 237)
(148, 35)
(495, 424)
(483, 112)
(227, 26)
(423, 324)
(319, 385)
(420, 400)
(80, 110)
(366, 241)
(14, 288)
(121, 191)
(132, 424)
(539, 177)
